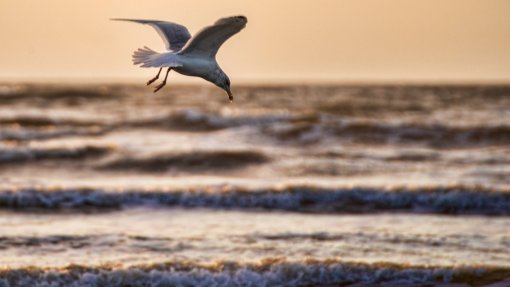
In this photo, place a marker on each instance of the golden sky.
(321, 40)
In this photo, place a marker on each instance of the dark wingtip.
(233, 19)
(242, 18)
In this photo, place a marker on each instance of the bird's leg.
(158, 87)
(155, 78)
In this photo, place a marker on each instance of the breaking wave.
(268, 272)
(454, 200)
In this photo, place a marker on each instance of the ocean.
(289, 185)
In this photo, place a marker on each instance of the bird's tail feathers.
(146, 58)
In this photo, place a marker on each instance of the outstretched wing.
(174, 35)
(209, 40)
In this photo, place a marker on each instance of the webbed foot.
(158, 87)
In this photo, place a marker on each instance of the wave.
(22, 154)
(311, 127)
(72, 241)
(23, 135)
(465, 242)
(437, 136)
(452, 200)
(196, 120)
(406, 156)
(473, 242)
(40, 127)
(44, 121)
(22, 127)
(268, 272)
(133, 242)
(433, 135)
(11, 94)
(192, 161)
(303, 129)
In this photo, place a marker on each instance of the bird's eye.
(227, 81)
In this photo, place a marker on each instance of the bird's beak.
(230, 97)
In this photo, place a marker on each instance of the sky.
(284, 40)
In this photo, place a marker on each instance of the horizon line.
(249, 82)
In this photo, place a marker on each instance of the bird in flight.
(191, 58)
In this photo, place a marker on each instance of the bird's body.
(196, 66)
(191, 58)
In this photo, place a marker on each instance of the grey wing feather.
(174, 35)
(209, 40)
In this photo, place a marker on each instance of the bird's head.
(223, 82)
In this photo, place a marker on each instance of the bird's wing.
(207, 42)
(174, 35)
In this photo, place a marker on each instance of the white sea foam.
(299, 199)
(233, 274)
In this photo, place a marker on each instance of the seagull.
(195, 58)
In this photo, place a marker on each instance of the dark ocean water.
(111, 185)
